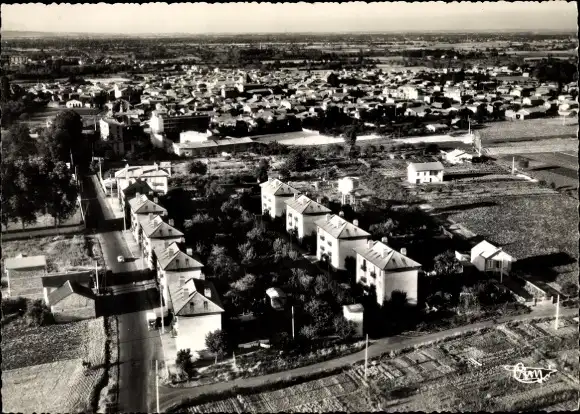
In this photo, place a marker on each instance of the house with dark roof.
(425, 172)
(141, 206)
(23, 275)
(155, 175)
(336, 239)
(198, 311)
(388, 270)
(72, 302)
(302, 214)
(274, 194)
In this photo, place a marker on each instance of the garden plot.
(530, 128)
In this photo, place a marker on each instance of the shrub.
(38, 314)
(569, 289)
(523, 163)
(309, 331)
(13, 305)
(197, 167)
(184, 361)
(343, 328)
(217, 342)
(553, 185)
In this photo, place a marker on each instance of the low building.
(457, 156)
(488, 258)
(387, 270)
(72, 302)
(425, 172)
(336, 239)
(277, 298)
(274, 194)
(198, 311)
(355, 313)
(53, 281)
(24, 275)
(302, 214)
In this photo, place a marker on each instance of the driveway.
(172, 396)
(139, 347)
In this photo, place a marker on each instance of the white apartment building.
(274, 195)
(302, 214)
(336, 239)
(388, 270)
(156, 234)
(156, 175)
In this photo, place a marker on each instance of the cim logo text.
(529, 375)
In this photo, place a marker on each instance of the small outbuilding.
(355, 314)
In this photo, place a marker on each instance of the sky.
(199, 18)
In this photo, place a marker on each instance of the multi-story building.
(142, 206)
(155, 234)
(157, 176)
(119, 136)
(425, 172)
(302, 214)
(336, 239)
(175, 124)
(388, 270)
(274, 196)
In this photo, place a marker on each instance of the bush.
(197, 167)
(184, 361)
(523, 163)
(38, 314)
(13, 305)
(343, 328)
(217, 342)
(568, 289)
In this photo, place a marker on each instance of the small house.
(355, 313)
(488, 258)
(426, 172)
(72, 302)
(277, 298)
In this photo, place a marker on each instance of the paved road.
(138, 345)
(170, 397)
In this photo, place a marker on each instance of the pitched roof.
(24, 262)
(385, 257)
(277, 188)
(305, 205)
(57, 279)
(142, 205)
(67, 289)
(172, 258)
(426, 166)
(139, 186)
(188, 300)
(142, 171)
(339, 228)
(165, 230)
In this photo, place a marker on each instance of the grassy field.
(532, 128)
(440, 377)
(540, 230)
(42, 367)
(62, 252)
(560, 168)
(45, 220)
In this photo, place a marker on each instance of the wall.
(405, 281)
(191, 331)
(74, 307)
(346, 249)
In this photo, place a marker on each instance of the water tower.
(347, 186)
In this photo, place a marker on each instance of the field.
(42, 367)
(568, 145)
(62, 252)
(540, 231)
(441, 377)
(531, 128)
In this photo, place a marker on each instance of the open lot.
(530, 128)
(42, 366)
(44, 221)
(441, 377)
(539, 230)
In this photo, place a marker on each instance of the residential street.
(170, 397)
(139, 347)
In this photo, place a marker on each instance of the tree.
(343, 328)
(217, 342)
(283, 173)
(18, 143)
(61, 193)
(447, 264)
(21, 183)
(184, 361)
(197, 167)
(65, 138)
(262, 170)
(350, 136)
(213, 190)
(298, 161)
(570, 289)
(383, 229)
(38, 314)
(309, 331)
(320, 313)
(247, 253)
(4, 89)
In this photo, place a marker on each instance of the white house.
(302, 214)
(425, 172)
(155, 234)
(174, 268)
(488, 258)
(274, 194)
(141, 205)
(388, 270)
(157, 176)
(336, 239)
(457, 156)
(198, 311)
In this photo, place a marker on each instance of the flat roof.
(24, 262)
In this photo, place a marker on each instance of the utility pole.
(157, 383)
(292, 321)
(234, 355)
(8, 274)
(161, 307)
(513, 165)
(557, 313)
(366, 355)
(501, 272)
(97, 274)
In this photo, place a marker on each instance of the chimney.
(385, 253)
(385, 240)
(166, 243)
(185, 292)
(318, 200)
(150, 193)
(189, 251)
(138, 194)
(171, 222)
(150, 217)
(355, 222)
(207, 292)
(404, 251)
(341, 214)
(155, 200)
(328, 217)
(370, 244)
(295, 196)
(156, 166)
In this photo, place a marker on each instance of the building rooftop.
(24, 262)
(304, 205)
(385, 257)
(67, 289)
(426, 166)
(339, 228)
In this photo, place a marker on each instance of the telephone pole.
(366, 355)
(292, 321)
(157, 383)
(557, 313)
(97, 274)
